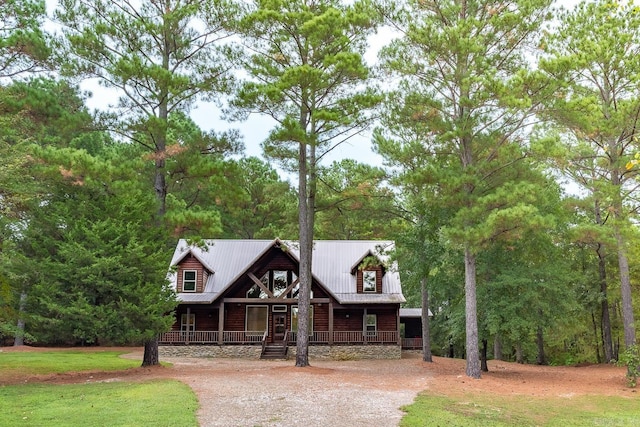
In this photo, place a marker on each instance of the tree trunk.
(625, 291)
(497, 348)
(472, 351)
(620, 220)
(151, 357)
(519, 355)
(306, 252)
(483, 357)
(19, 335)
(595, 335)
(607, 339)
(426, 335)
(540, 358)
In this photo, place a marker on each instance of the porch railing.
(193, 337)
(256, 337)
(412, 343)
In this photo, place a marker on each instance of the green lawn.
(493, 410)
(152, 403)
(53, 362)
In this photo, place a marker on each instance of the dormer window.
(189, 280)
(369, 279)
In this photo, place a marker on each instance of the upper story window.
(277, 282)
(369, 279)
(189, 280)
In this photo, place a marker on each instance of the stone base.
(326, 352)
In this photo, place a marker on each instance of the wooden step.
(274, 352)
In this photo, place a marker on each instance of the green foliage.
(152, 53)
(593, 54)
(455, 123)
(160, 58)
(254, 202)
(356, 202)
(23, 43)
(308, 73)
(89, 257)
(122, 404)
(630, 358)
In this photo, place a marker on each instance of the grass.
(63, 361)
(154, 403)
(492, 410)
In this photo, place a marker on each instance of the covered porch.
(257, 337)
(237, 322)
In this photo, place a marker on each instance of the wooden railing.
(194, 337)
(258, 337)
(316, 337)
(264, 341)
(412, 343)
(242, 337)
(285, 343)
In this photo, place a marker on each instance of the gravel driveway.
(242, 392)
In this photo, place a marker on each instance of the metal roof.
(412, 312)
(227, 260)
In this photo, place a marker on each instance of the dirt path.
(242, 392)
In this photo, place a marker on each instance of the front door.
(279, 326)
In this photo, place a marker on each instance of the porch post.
(330, 322)
(188, 322)
(398, 325)
(221, 323)
(364, 326)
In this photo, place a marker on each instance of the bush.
(631, 359)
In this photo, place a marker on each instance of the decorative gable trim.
(284, 246)
(358, 265)
(196, 256)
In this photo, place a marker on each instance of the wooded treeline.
(507, 132)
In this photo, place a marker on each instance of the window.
(191, 323)
(295, 292)
(189, 280)
(277, 281)
(371, 324)
(256, 319)
(280, 283)
(369, 280)
(256, 292)
(294, 319)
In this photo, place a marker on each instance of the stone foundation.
(335, 352)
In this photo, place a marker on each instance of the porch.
(257, 338)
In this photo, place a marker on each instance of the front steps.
(274, 351)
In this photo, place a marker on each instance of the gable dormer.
(191, 275)
(369, 271)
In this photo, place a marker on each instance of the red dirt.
(446, 376)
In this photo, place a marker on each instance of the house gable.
(189, 268)
(231, 267)
(276, 265)
(369, 280)
(369, 271)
